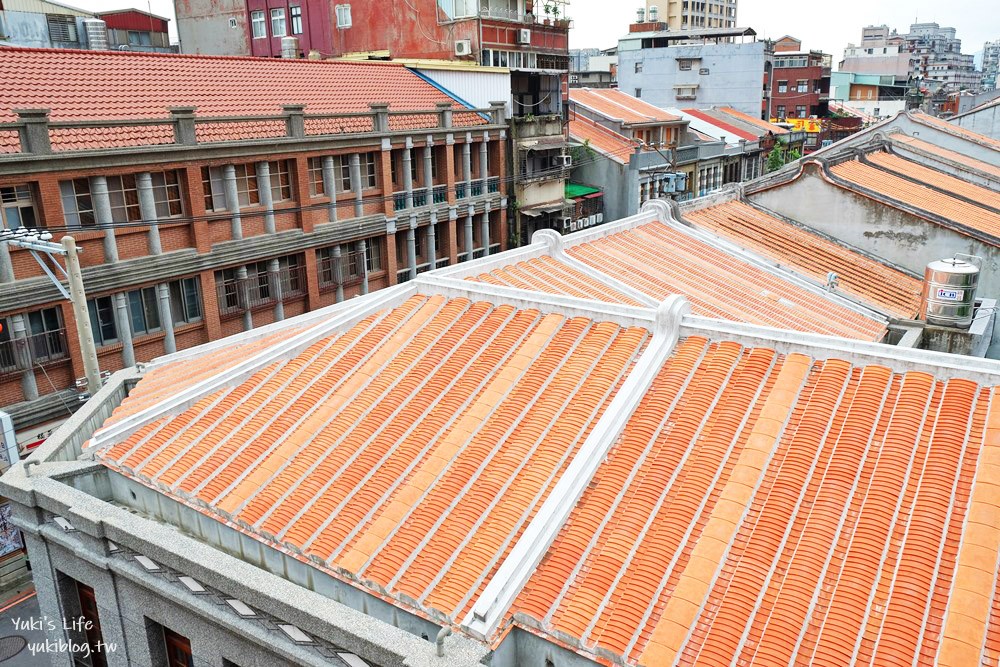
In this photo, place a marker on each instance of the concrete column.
(22, 352)
(330, 186)
(432, 241)
(467, 164)
(102, 213)
(233, 202)
(274, 282)
(147, 206)
(124, 329)
(166, 318)
(266, 196)
(362, 250)
(6, 265)
(241, 277)
(429, 169)
(338, 273)
(407, 174)
(484, 161)
(484, 232)
(411, 250)
(359, 208)
(469, 244)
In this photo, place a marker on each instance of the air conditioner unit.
(564, 160)
(524, 36)
(592, 220)
(463, 47)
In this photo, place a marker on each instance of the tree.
(793, 155)
(775, 160)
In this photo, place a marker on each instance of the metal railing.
(493, 185)
(262, 289)
(20, 354)
(440, 194)
(477, 188)
(460, 190)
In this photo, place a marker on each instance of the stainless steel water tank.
(950, 292)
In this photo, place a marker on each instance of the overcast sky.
(826, 27)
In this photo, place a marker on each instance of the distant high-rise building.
(991, 65)
(936, 56)
(690, 14)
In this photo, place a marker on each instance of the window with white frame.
(258, 25)
(278, 22)
(214, 185)
(17, 207)
(295, 13)
(317, 188)
(281, 180)
(343, 16)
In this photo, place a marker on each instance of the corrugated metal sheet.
(476, 88)
(42, 7)
(134, 20)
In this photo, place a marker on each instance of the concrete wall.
(29, 29)
(736, 74)
(985, 121)
(619, 183)
(893, 234)
(203, 27)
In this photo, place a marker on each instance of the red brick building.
(800, 81)
(206, 206)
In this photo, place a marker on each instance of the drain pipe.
(442, 633)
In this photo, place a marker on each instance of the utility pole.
(36, 242)
(78, 297)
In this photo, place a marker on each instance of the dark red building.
(800, 82)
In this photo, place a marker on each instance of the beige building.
(687, 14)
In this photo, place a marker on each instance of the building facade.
(936, 56)
(693, 14)
(800, 82)
(46, 24)
(698, 68)
(194, 228)
(991, 65)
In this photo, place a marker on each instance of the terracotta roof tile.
(933, 149)
(600, 138)
(659, 261)
(110, 85)
(551, 276)
(883, 287)
(921, 197)
(617, 105)
(385, 450)
(767, 510)
(935, 178)
(952, 128)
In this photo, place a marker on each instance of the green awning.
(574, 190)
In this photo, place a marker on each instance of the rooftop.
(732, 123)
(887, 289)
(616, 105)
(123, 86)
(607, 142)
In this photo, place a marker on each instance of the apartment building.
(692, 14)
(991, 65)
(700, 67)
(800, 81)
(206, 208)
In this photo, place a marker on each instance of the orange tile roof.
(935, 178)
(550, 276)
(659, 261)
(880, 286)
(615, 104)
(409, 451)
(921, 197)
(758, 122)
(763, 509)
(952, 128)
(600, 138)
(111, 85)
(960, 158)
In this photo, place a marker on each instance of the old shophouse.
(215, 195)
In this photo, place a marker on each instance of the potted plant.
(548, 14)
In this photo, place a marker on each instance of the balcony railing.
(20, 354)
(398, 201)
(440, 194)
(420, 197)
(493, 185)
(242, 294)
(477, 188)
(460, 191)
